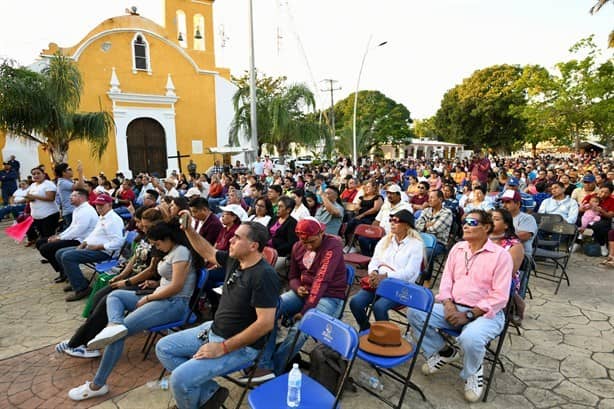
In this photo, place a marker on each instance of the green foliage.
(573, 102)
(380, 120)
(425, 128)
(281, 113)
(483, 110)
(43, 108)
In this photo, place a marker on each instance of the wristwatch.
(470, 315)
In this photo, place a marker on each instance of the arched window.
(199, 32)
(140, 54)
(182, 28)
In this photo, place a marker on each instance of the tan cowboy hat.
(384, 339)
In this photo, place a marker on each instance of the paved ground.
(564, 357)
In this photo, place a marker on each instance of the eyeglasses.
(471, 222)
(260, 205)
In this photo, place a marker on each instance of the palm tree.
(281, 117)
(598, 5)
(43, 108)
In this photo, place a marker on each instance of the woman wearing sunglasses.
(398, 255)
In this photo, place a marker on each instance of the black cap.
(405, 216)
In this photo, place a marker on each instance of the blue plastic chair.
(107, 265)
(189, 318)
(350, 273)
(331, 332)
(411, 296)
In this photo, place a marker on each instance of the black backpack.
(327, 368)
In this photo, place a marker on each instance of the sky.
(431, 45)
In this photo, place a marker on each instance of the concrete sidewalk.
(564, 357)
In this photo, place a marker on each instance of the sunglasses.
(394, 220)
(471, 222)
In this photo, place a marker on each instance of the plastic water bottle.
(294, 387)
(371, 381)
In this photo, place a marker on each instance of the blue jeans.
(153, 313)
(292, 304)
(70, 258)
(473, 339)
(192, 379)
(11, 209)
(367, 246)
(216, 202)
(361, 301)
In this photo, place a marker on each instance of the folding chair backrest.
(270, 255)
(349, 280)
(545, 219)
(130, 237)
(429, 240)
(407, 294)
(369, 231)
(330, 331)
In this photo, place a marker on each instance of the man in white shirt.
(84, 219)
(106, 238)
(560, 204)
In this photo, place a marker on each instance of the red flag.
(18, 231)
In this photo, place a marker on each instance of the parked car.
(302, 161)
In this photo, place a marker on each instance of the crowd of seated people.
(233, 216)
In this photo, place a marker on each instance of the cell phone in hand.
(183, 220)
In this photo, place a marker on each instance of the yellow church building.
(160, 84)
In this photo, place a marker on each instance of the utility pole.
(331, 88)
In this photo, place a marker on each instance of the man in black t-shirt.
(246, 313)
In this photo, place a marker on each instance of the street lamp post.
(362, 64)
(252, 84)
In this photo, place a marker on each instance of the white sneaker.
(85, 392)
(604, 251)
(82, 352)
(435, 362)
(62, 346)
(474, 386)
(107, 336)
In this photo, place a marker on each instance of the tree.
(43, 108)
(582, 96)
(381, 119)
(425, 128)
(598, 5)
(483, 110)
(282, 117)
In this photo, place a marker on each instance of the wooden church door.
(146, 147)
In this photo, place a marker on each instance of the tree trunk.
(57, 156)
(534, 149)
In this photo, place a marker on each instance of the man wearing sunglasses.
(245, 315)
(473, 292)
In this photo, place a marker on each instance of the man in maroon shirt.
(317, 280)
(480, 166)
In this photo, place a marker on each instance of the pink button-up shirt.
(481, 279)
